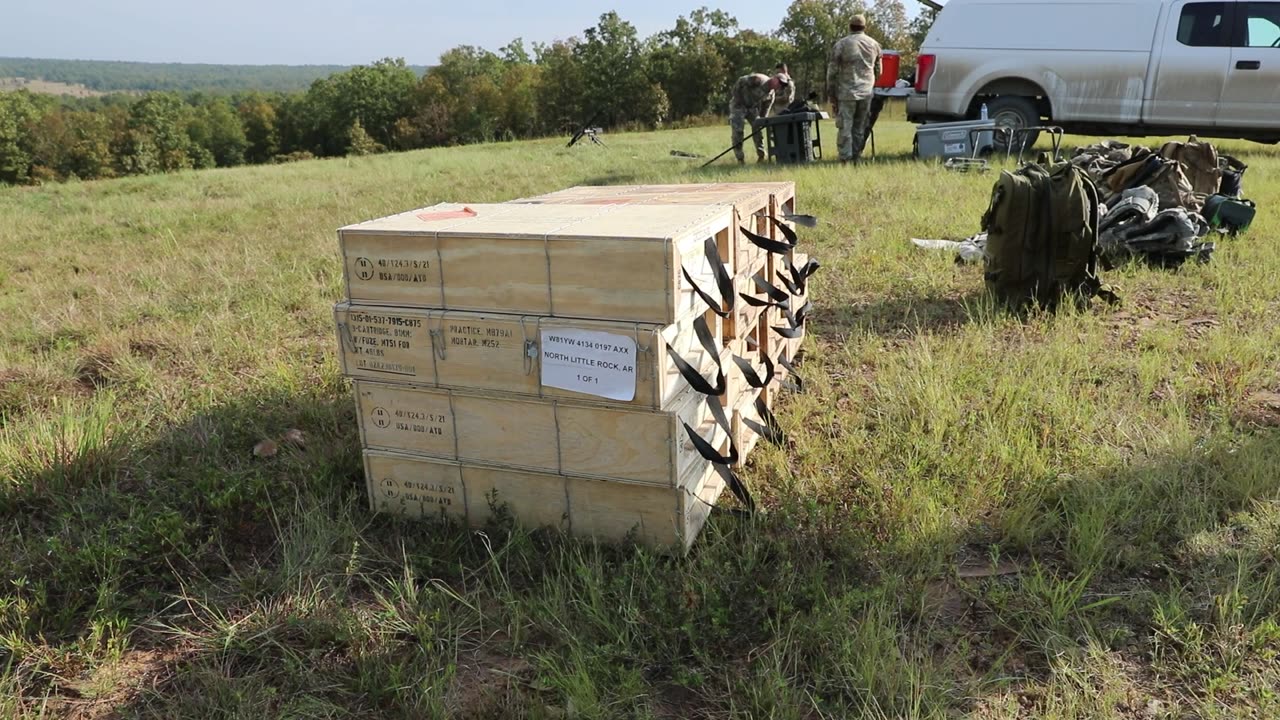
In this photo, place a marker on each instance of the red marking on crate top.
(447, 215)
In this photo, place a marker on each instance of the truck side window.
(1204, 25)
(1262, 25)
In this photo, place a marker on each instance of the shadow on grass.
(802, 602)
(262, 586)
(104, 521)
(897, 316)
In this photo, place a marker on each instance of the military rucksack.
(1199, 163)
(1042, 237)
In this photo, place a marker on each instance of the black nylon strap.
(802, 274)
(724, 283)
(770, 430)
(800, 315)
(752, 377)
(787, 232)
(690, 374)
(798, 386)
(789, 283)
(774, 293)
(754, 301)
(764, 243)
(736, 486)
(790, 333)
(721, 462)
(779, 298)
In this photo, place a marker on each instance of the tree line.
(122, 76)
(607, 77)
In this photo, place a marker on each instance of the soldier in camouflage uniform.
(754, 96)
(851, 76)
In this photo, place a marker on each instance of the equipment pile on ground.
(1158, 206)
(598, 359)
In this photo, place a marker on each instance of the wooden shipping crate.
(625, 263)
(506, 353)
(559, 436)
(665, 518)
(751, 203)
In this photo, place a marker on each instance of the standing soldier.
(851, 77)
(754, 96)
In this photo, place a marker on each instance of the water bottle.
(985, 139)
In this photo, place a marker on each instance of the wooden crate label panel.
(405, 487)
(664, 518)
(486, 351)
(545, 435)
(381, 343)
(399, 417)
(502, 353)
(385, 267)
(589, 362)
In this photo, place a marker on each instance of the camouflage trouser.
(851, 127)
(739, 119)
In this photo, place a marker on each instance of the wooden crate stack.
(752, 331)
(553, 358)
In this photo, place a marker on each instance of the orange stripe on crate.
(447, 215)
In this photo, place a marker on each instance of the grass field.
(976, 516)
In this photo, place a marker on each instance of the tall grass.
(1068, 517)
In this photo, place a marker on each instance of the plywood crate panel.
(666, 518)
(560, 436)
(609, 263)
(751, 203)
(503, 353)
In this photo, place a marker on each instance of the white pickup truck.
(1129, 67)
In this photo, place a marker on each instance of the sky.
(321, 32)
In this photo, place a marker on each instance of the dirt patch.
(1261, 410)
(1193, 313)
(104, 691)
(675, 702)
(95, 371)
(486, 685)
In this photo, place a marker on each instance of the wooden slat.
(501, 353)
(665, 518)
(751, 202)
(599, 262)
(567, 437)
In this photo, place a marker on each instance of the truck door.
(1252, 94)
(1192, 71)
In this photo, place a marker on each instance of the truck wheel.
(1015, 112)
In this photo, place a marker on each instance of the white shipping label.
(954, 148)
(586, 361)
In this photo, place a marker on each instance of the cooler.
(953, 139)
(890, 66)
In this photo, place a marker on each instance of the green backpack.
(1042, 237)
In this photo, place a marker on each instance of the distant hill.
(105, 76)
